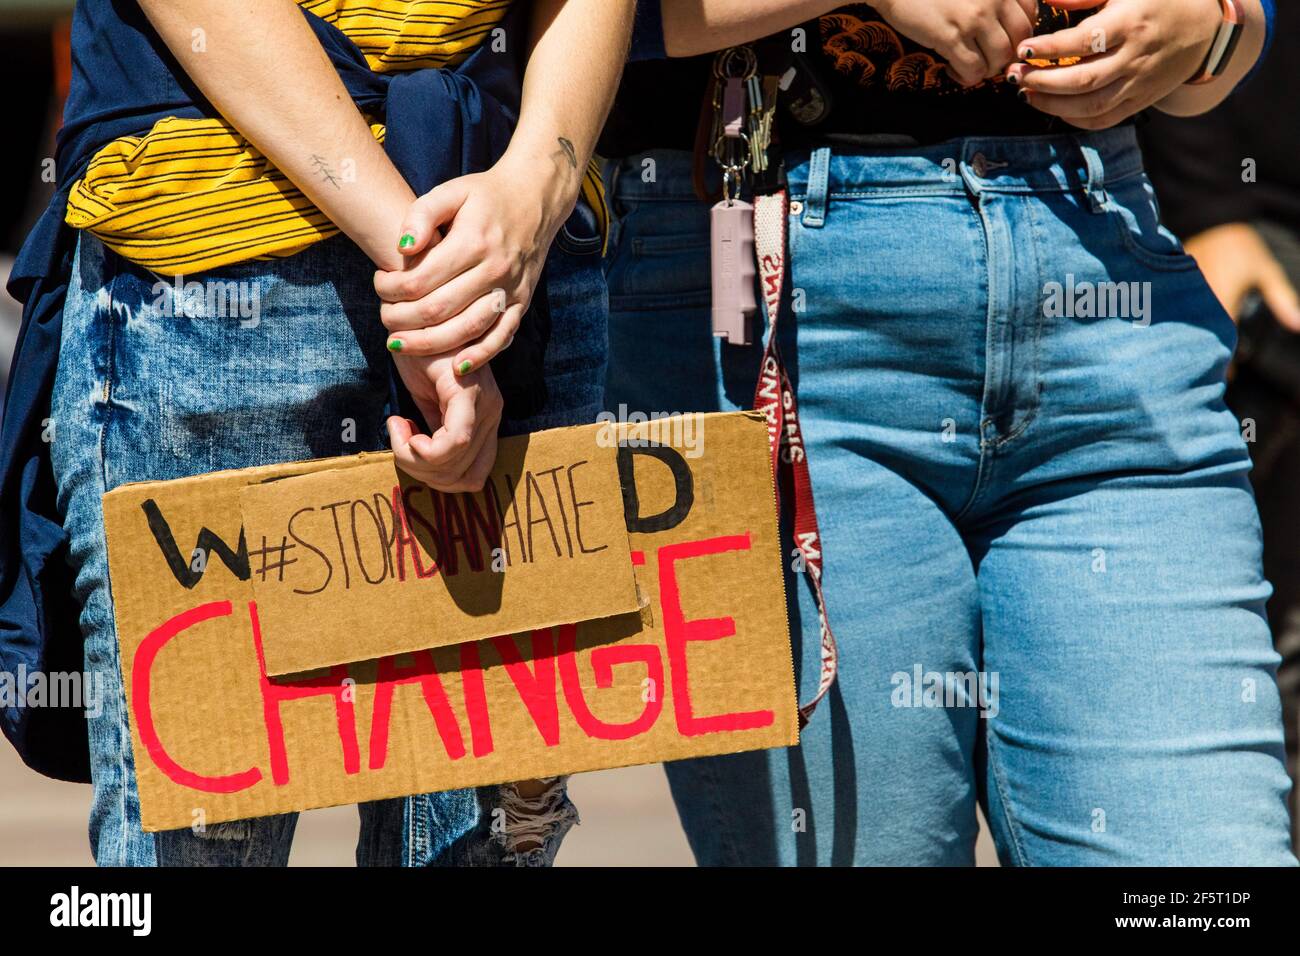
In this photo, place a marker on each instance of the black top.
(880, 86)
(1236, 163)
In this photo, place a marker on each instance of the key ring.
(733, 167)
(730, 175)
(726, 158)
(729, 66)
(724, 64)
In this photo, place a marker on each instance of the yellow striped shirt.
(193, 195)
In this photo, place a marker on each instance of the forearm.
(692, 27)
(566, 98)
(297, 112)
(1194, 100)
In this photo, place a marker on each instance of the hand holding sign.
(462, 413)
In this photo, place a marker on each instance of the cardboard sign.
(394, 566)
(703, 668)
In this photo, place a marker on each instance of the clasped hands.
(473, 251)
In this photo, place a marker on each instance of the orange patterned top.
(882, 82)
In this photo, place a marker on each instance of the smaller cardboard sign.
(394, 566)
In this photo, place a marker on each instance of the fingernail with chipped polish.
(406, 242)
(1026, 52)
(394, 345)
(464, 367)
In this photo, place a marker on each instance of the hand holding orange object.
(1125, 56)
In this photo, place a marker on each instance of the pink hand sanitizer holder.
(732, 260)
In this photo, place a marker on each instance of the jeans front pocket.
(1135, 213)
(661, 260)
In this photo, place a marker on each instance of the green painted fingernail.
(406, 241)
(464, 367)
(394, 345)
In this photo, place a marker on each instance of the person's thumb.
(428, 213)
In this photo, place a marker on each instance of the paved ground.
(627, 820)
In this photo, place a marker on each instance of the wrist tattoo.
(323, 170)
(570, 153)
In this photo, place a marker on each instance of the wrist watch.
(1223, 45)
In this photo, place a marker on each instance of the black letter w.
(208, 543)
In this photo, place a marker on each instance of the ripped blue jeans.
(288, 363)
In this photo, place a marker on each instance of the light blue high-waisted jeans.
(1042, 551)
(286, 363)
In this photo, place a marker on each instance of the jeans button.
(980, 165)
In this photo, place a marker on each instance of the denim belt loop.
(819, 187)
(1096, 170)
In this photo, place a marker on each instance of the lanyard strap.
(775, 398)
